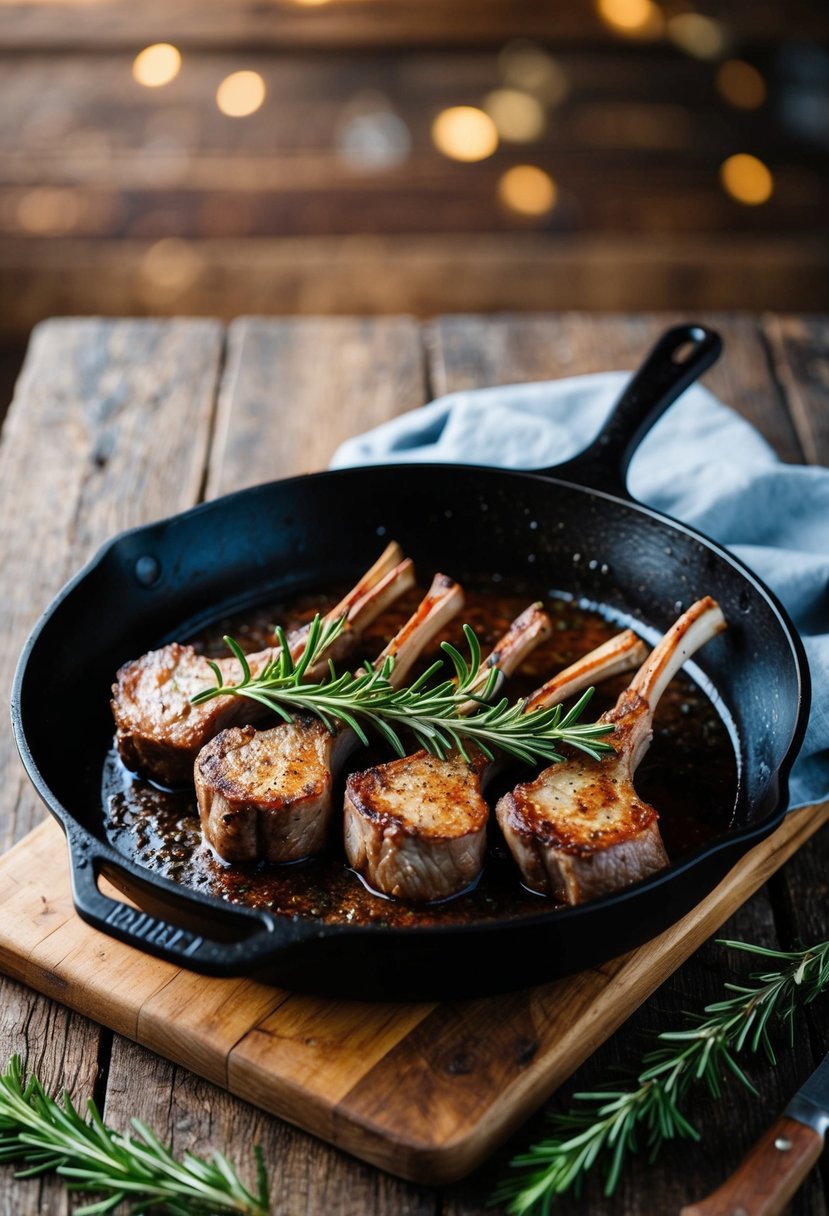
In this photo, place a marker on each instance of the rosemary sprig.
(44, 1134)
(435, 713)
(616, 1122)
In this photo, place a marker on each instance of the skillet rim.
(733, 837)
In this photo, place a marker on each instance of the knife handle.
(765, 1181)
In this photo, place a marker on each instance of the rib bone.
(415, 829)
(580, 830)
(266, 795)
(160, 733)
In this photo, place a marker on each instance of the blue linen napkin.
(703, 464)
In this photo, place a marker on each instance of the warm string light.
(746, 179)
(697, 35)
(156, 65)
(528, 67)
(171, 265)
(465, 133)
(634, 18)
(49, 210)
(741, 85)
(519, 117)
(369, 135)
(240, 94)
(528, 191)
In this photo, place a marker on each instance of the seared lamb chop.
(160, 733)
(415, 828)
(266, 795)
(580, 830)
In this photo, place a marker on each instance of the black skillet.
(574, 527)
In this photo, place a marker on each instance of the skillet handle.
(680, 356)
(227, 942)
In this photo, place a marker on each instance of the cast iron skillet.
(574, 527)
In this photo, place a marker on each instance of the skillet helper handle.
(767, 1179)
(679, 358)
(254, 934)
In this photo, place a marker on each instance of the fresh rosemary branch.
(435, 713)
(616, 1122)
(46, 1135)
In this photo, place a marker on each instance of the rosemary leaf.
(600, 1130)
(435, 713)
(43, 1134)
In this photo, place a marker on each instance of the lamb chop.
(415, 828)
(580, 830)
(267, 795)
(160, 733)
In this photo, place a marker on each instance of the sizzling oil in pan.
(689, 774)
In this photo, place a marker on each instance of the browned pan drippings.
(689, 774)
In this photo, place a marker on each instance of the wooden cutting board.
(425, 1091)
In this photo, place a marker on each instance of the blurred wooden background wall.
(332, 196)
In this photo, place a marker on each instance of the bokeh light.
(156, 65)
(527, 66)
(465, 133)
(519, 117)
(697, 35)
(370, 136)
(527, 190)
(49, 210)
(171, 265)
(741, 84)
(747, 179)
(240, 94)
(639, 18)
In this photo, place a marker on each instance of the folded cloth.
(703, 465)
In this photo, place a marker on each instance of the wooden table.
(118, 422)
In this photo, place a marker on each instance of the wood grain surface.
(333, 198)
(425, 1091)
(80, 457)
(765, 1181)
(52, 24)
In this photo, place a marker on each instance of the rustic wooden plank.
(305, 1175)
(321, 1050)
(108, 429)
(469, 352)
(63, 1049)
(294, 389)
(82, 118)
(311, 195)
(419, 274)
(800, 355)
(178, 1017)
(109, 424)
(65, 24)
(81, 121)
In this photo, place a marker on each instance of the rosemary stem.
(604, 1127)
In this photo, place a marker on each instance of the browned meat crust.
(415, 829)
(580, 830)
(159, 732)
(266, 795)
